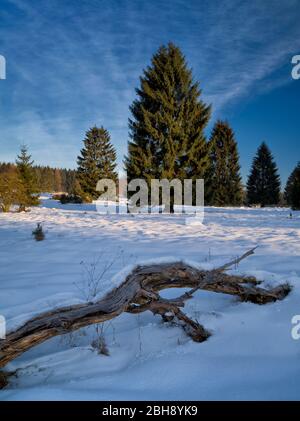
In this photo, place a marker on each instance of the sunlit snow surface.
(250, 355)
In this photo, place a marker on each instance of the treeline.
(21, 183)
(48, 179)
(167, 141)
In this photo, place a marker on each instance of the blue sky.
(75, 63)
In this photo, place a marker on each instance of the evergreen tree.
(292, 189)
(167, 126)
(223, 180)
(12, 191)
(28, 179)
(97, 161)
(71, 182)
(57, 180)
(263, 186)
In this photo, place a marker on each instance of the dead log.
(140, 292)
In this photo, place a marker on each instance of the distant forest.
(49, 179)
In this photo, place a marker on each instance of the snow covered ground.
(251, 354)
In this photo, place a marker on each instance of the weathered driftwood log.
(140, 292)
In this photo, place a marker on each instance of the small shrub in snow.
(70, 198)
(38, 233)
(57, 196)
(99, 343)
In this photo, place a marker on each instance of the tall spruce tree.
(223, 179)
(97, 161)
(292, 189)
(168, 119)
(28, 178)
(263, 186)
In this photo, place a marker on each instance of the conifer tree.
(12, 191)
(292, 189)
(28, 179)
(57, 180)
(97, 161)
(166, 129)
(223, 180)
(263, 186)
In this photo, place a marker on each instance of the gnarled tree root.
(138, 293)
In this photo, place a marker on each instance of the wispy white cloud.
(74, 64)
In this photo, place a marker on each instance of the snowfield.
(250, 355)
